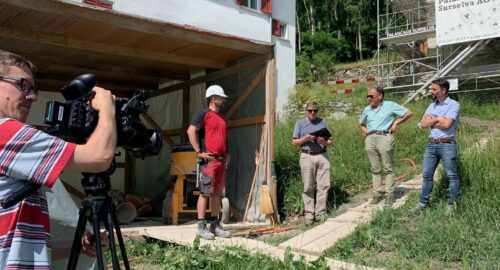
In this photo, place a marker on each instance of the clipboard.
(322, 133)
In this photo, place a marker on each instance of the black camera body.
(75, 120)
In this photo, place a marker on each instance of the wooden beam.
(152, 122)
(72, 9)
(214, 75)
(63, 41)
(111, 84)
(270, 118)
(173, 132)
(250, 88)
(254, 120)
(121, 91)
(79, 67)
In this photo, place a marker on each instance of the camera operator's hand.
(103, 101)
(88, 243)
(97, 154)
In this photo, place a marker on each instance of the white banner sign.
(460, 21)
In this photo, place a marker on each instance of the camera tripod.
(97, 207)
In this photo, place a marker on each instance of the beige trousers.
(380, 149)
(315, 169)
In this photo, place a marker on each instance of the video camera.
(75, 120)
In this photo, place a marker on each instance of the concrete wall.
(284, 52)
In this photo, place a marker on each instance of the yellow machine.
(184, 196)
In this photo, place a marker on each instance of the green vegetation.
(473, 107)
(155, 253)
(350, 169)
(468, 240)
(333, 31)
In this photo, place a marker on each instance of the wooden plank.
(58, 40)
(151, 26)
(250, 88)
(254, 120)
(152, 122)
(270, 112)
(214, 75)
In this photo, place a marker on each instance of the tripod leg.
(97, 236)
(114, 256)
(120, 238)
(77, 244)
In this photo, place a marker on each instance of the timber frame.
(65, 39)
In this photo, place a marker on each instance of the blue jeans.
(447, 153)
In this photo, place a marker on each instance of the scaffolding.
(407, 30)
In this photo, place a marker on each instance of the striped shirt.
(27, 154)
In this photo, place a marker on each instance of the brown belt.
(312, 153)
(442, 140)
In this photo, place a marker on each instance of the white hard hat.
(215, 90)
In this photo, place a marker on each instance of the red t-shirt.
(212, 127)
(27, 154)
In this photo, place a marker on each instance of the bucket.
(126, 212)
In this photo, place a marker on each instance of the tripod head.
(98, 184)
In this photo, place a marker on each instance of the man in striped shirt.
(28, 155)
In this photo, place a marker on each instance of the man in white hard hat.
(211, 126)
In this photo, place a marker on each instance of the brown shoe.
(376, 199)
(309, 222)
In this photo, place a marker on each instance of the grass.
(349, 165)
(468, 240)
(154, 253)
(474, 108)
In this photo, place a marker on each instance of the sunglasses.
(370, 96)
(22, 84)
(312, 111)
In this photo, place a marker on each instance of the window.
(279, 29)
(283, 30)
(266, 6)
(253, 4)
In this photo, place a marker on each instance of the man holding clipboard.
(311, 134)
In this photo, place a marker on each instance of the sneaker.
(376, 199)
(203, 232)
(417, 210)
(216, 229)
(450, 209)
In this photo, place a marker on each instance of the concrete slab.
(310, 236)
(308, 245)
(319, 246)
(186, 234)
(352, 217)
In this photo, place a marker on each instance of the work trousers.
(315, 168)
(380, 150)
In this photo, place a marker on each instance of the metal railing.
(418, 19)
